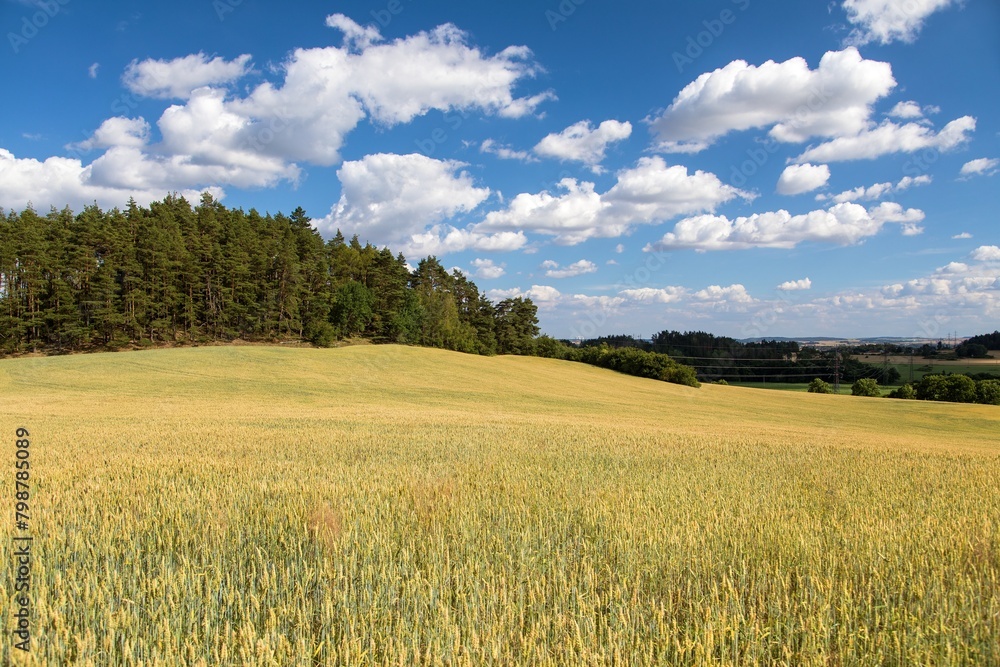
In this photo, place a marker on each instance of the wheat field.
(388, 505)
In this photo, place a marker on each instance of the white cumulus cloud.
(487, 269)
(986, 253)
(177, 78)
(582, 142)
(908, 110)
(649, 193)
(795, 102)
(889, 138)
(390, 199)
(723, 296)
(885, 21)
(63, 181)
(795, 285)
(217, 135)
(842, 224)
(544, 296)
(575, 269)
(980, 167)
(117, 131)
(876, 191)
(799, 178)
(670, 294)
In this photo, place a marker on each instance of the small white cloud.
(907, 110)
(543, 296)
(653, 295)
(505, 152)
(581, 142)
(954, 267)
(575, 269)
(619, 248)
(885, 21)
(889, 138)
(799, 178)
(963, 235)
(982, 167)
(876, 191)
(608, 304)
(486, 269)
(92, 70)
(718, 294)
(795, 285)
(444, 239)
(986, 253)
(177, 78)
(355, 35)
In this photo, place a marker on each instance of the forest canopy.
(173, 273)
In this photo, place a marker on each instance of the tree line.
(173, 273)
(978, 347)
(720, 358)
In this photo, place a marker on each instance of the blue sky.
(744, 167)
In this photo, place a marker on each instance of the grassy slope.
(384, 382)
(296, 501)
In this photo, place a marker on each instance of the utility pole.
(911, 365)
(836, 373)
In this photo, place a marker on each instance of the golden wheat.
(398, 506)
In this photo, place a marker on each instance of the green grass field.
(845, 387)
(921, 369)
(398, 506)
(921, 366)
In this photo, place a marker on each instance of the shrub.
(988, 392)
(930, 388)
(906, 392)
(633, 361)
(865, 387)
(818, 386)
(550, 348)
(953, 388)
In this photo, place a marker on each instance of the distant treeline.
(624, 359)
(170, 273)
(953, 388)
(978, 347)
(721, 358)
(990, 341)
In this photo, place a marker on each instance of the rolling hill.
(384, 504)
